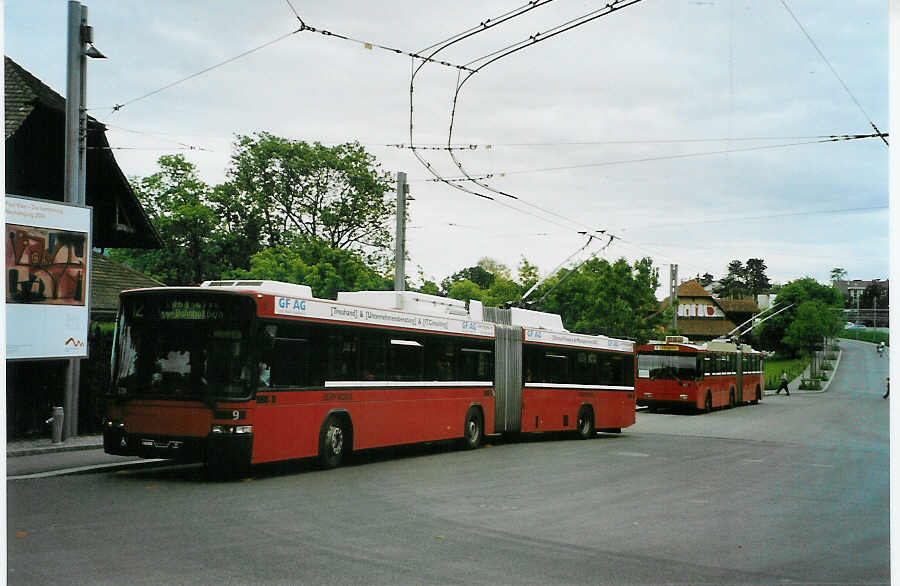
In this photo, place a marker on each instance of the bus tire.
(334, 441)
(707, 405)
(473, 432)
(585, 426)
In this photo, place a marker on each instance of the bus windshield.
(186, 347)
(667, 366)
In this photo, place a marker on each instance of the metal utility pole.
(400, 237)
(78, 48)
(673, 294)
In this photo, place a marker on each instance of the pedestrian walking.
(887, 388)
(783, 386)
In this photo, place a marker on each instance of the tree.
(528, 274)
(286, 188)
(755, 278)
(502, 291)
(465, 290)
(838, 274)
(734, 283)
(813, 321)
(495, 267)
(177, 202)
(772, 332)
(311, 261)
(480, 276)
(614, 299)
(706, 280)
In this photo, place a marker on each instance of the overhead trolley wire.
(509, 50)
(117, 107)
(834, 71)
(841, 138)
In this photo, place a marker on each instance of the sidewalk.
(46, 446)
(794, 385)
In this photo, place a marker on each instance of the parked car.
(852, 326)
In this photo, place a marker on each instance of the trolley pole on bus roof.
(400, 237)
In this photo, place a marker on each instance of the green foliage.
(772, 332)
(874, 336)
(528, 274)
(838, 274)
(773, 368)
(813, 322)
(743, 280)
(313, 262)
(502, 291)
(283, 189)
(177, 202)
(613, 299)
(465, 290)
(479, 276)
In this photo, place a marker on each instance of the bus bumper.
(229, 449)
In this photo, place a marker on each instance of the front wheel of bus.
(332, 442)
(586, 423)
(474, 430)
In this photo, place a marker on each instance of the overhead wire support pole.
(400, 238)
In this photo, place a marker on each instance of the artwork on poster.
(48, 257)
(45, 266)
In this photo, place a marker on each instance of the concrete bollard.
(56, 424)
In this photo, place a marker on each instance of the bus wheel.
(474, 429)
(586, 423)
(707, 405)
(332, 442)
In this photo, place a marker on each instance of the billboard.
(48, 252)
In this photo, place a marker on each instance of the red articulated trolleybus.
(677, 373)
(234, 373)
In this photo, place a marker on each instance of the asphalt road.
(794, 490)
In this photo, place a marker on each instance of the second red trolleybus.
(678, 373)
(233, 373)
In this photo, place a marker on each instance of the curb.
(52, 449)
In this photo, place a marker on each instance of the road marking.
(824, 465)
(632, 454)
(78, 469)
(753, 460)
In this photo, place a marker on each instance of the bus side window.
(342, 354)
(475, 361)
(288, 358)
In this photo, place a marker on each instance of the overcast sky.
(593, 129)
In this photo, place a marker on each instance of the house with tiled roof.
(701, 316)
(35, 162)
(108, 279)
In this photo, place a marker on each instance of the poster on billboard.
(48, 252)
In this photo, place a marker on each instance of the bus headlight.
(113, 424)
(683, 397)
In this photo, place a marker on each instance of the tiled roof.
(738, 305)
(35, 162)
(109, 278)
(692, 289)
(705, 327)
(23, 91)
